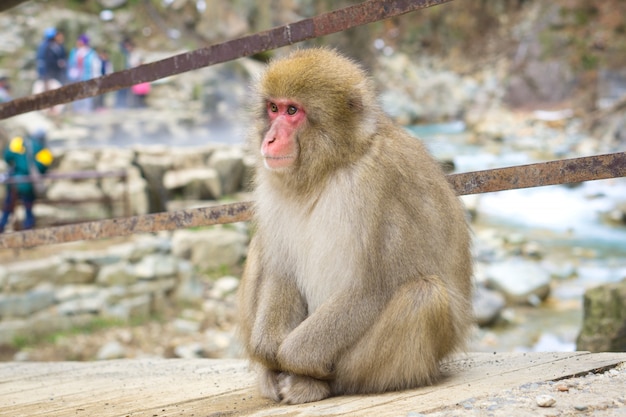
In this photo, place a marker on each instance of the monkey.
(358, 274)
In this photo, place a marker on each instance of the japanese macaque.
(358, 277)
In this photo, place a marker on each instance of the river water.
(567, 223)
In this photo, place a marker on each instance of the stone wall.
(159, 178)
(140, 278)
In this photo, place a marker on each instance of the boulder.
(76, 273)
(111, 350)
(121, 273)
(194, 183)
(228, 163)
(488, 305)
(521, 282)
(78, 160)
(190, 158)
(70, 190)
(153, 163)
(23, 305)
(23, 276)
(604, 319)
(210, 249)
(155, 266)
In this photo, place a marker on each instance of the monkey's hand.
(298, 356)
(316, 345)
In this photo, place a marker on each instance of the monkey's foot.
(299, 389)
(268, 385)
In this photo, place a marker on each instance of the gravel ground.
(600, 394)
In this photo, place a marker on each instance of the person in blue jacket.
(19, 155)
(40, 57)
(83, 64)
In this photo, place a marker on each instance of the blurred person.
(54, 74)
(40, 57)
(25, 157)
(5, 89)
(140, 92)
(56, 58)
(83, 64)
(121, 60)
(105, 68)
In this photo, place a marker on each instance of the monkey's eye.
(291, 110)
(273, 107)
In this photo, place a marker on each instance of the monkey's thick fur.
(358, 277)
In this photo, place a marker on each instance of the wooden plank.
(205, 387)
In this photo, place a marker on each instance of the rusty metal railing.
(524, 176)
(324, 24)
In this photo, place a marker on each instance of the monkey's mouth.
(278, 162)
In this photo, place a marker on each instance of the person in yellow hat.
(23, 155)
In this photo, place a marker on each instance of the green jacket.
(16, 156)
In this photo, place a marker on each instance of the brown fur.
(358, 277)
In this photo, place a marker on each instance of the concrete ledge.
(206, 387)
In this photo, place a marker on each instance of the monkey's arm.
(271, 307)
(312, 348)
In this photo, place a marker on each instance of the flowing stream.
(578, 245)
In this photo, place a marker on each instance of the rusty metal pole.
(523, 176)
(324, 24)
(563, 171)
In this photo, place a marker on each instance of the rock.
(189, 288)
(72, 292)
(155, 266)
(218, 342)
(90, 305)
(218, 313)
(545, 400)
(520, 281)
(604, 319)
(22, 276)
(186, 326)
(487, 305)
(23, 305)
(189, 351)
(210, 249)
(111, 350)
(223, 287)
(98, 258)
(416, 92)
(229, 165)
(78, 160)
(76, 273)
(112, 4)
(190, 158)
(121, 273)
(139, 306)
(195, 183)
(153, 287)
(551, 343)
(154, 162)
(128, 197)
(147, 245)
(69, 190)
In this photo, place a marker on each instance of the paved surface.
(480, 384)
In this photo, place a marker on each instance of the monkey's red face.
(280, 148)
